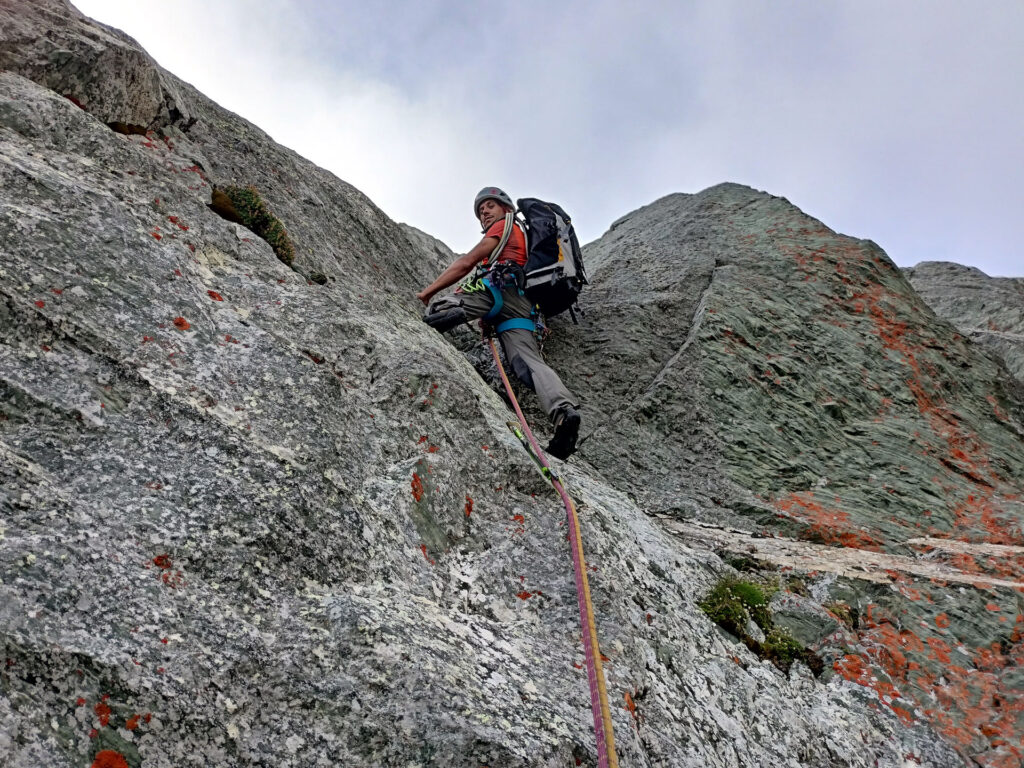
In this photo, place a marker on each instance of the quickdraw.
(546, 472)
(603, 731)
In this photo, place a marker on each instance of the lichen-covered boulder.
(96, 67)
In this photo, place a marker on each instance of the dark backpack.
(554, 264)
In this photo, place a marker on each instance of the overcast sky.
(901, 121)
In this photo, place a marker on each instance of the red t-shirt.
(515, 248)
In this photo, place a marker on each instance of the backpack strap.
(526, 237)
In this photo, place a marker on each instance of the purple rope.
(595, 696)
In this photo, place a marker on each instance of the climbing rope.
(595, 675)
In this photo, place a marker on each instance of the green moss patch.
(733, 603)
(245, 206)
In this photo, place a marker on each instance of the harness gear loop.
(498, 301)
(605, 736)
(495, 281)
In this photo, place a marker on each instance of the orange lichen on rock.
(103, 713)
(853, 668)
(964, 456)
(962, 691)
(830, 526)
(108, 758)
(426, 555)
(417, 487)
(630, 704)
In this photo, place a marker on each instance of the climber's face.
(489, 212)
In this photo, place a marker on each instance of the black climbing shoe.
(567, 428)
(446, 319)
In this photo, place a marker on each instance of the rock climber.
(499, 273)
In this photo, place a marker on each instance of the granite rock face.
(989, 310)
(249, 517)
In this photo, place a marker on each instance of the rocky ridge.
(989, 310)
(251, 518)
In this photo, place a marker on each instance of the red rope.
(603, 731)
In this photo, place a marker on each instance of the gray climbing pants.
(519, 344)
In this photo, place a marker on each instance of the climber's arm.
(459, 268)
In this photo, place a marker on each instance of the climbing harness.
(603, 731)
(523, 323)
(492, 274)
(495, 280)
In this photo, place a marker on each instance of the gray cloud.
(900, 121)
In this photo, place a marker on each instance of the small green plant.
(733, 603)
(245, 206)
(781, 648)
(755, 597)
(726, 610)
